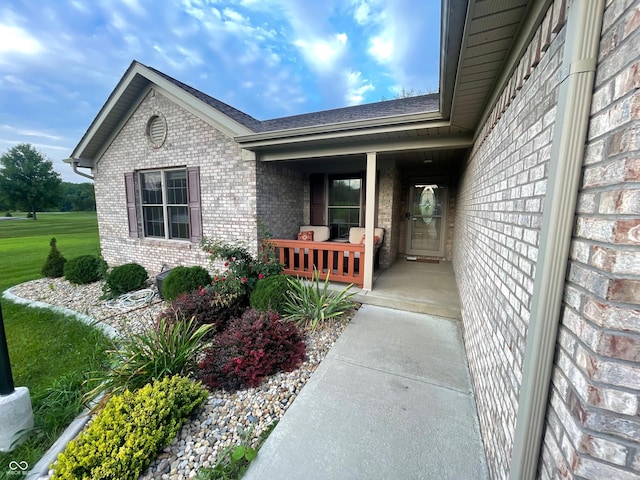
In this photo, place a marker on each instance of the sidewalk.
(392, 400)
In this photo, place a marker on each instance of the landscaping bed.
(225, 416)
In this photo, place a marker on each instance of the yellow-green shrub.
(127, 434)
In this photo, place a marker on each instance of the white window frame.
(164, 205)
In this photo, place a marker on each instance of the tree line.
(29, 183)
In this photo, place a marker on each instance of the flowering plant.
(241, 270)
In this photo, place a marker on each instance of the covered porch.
(400, 177)
(413, 286)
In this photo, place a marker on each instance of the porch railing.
(336, 259)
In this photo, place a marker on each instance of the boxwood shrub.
(183, 280)
(126, 435)
(271, 293)
(124, 278)
(84, 269)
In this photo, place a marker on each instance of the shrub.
(308, 305)
(184, 280)
(252, 347)
(8, 214)
(127, 434)
(242, 271)
(84, 269)
(206, 306)
(271, 293)
(54, 264)
(169, 349)
(124, 278)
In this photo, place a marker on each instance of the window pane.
(344, 192)
(176, 187)
(151, 183)
(342, 219)
(153, 221)
(178, 222)
(344, 206)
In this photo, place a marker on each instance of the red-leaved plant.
(252, 347)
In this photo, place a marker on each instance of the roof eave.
(193, 104)
(453, 19)
(337, 130)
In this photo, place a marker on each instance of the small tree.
(54, 264)
(27, 179)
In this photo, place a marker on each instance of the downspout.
(582, 41)
(74, 165)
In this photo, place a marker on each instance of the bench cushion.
(321, 233)
(356, 235)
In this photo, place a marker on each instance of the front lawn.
(50, 353)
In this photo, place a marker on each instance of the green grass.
(24, 244)
(50, 353)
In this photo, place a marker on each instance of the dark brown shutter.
(318, 206)
(195, 209)
(132, 212)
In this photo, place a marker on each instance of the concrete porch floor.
(414, 287)
(393, 397)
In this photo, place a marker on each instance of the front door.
(427, 219)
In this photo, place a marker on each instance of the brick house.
(530, 153)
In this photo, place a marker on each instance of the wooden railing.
(336, 259)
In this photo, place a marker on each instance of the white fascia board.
(106, 110)
(434, 142)
(206, 112)
(199, 108)
(348, 130)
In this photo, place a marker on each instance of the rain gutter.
(578, 70)
(75, 163)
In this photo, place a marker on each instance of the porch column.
(370, 219)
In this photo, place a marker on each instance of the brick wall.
(593, 426)
(388, 215)
(498, 212)
(593, 422)
(281, 194)
(228, 185)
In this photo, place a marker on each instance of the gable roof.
(480, 45)
(139, 79)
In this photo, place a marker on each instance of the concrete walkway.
(392, 400)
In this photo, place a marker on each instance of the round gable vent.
(156, 131)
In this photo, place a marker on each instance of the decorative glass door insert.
(427, 219)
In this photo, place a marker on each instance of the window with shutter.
(170, 204)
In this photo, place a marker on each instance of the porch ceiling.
(418, 162)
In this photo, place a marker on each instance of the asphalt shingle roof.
(403, 106)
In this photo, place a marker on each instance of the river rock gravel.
(221, 421)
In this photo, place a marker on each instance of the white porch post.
(370, 219)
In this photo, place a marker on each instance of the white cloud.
(29, 133)
(381, 47)
(134, 6)
(357, 87)
(15, 39)
(322, 53)
(80, 6)
(362, 13)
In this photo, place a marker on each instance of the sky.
(60, 60)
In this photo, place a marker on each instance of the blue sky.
(59, 60)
